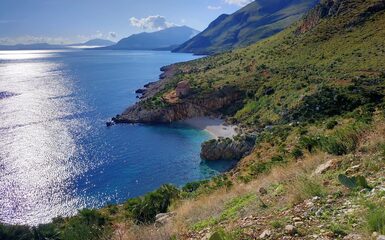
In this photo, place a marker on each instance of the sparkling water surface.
(57, 155)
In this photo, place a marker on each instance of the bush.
(221, 235)
(145, 209)
(193, 186)
(89, 224)
(331, 124)
(15, 232)
(305, 188)
(376, 219)
(259, 168)
(297, 153)
(309, 143)
(276, 159)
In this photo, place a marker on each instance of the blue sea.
(57, 155)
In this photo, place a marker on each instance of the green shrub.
(277, 159)
(338, 230)
(277, 224)
(21, 232)
(306, 187)
(297, 153)
(87, 225)
(221, 235)
(259, 168)
(144, 209)
(222, 181)
(331, 124)
(309, 142)
(376, 219)
(46, 231)
(15, 232)
(193, 186)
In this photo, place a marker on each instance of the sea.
(57, 155)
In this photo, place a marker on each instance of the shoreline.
(216, 127)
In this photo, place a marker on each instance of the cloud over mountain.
(214, 7)
(156, 22)
(238, 2)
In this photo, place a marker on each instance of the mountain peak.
(165, 39)
(255, 21)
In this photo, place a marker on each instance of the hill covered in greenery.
(258, 20)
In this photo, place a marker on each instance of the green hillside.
(258, 20)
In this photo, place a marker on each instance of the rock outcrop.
(189, 107)
(183, 89)
(333, 8)
(226, 148)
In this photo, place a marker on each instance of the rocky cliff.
(334, 8)
(227, 149)
(194, 105)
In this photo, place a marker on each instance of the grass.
(230, 211)
(376, 218)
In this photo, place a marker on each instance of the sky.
(76, 21)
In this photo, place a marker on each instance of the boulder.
(262, 191)
(163, 218)
(353, 236)
(140, 91)
(182, 89)
(321, 169)
(290, 229)
(265, 234)
(226, 149)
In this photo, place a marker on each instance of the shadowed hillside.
(258, 20)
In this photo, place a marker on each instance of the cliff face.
(226, 149)
(335, 8)
(192, 106)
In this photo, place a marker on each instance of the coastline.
(216, 127)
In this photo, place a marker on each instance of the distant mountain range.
(166, 39)
(258, 20)
(95, 43)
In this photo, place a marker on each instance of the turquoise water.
(57, 156)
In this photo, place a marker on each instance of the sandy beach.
(214, 126)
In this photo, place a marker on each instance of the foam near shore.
(215, 126)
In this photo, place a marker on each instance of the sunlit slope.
(329, 63)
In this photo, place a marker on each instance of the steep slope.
(286, 77)
(258, 20)
(163, 39)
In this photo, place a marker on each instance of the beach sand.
(214, 126)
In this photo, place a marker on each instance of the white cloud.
(151, 23)
(213, 7)
(238, 2)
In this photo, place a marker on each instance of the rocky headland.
(161, 104)
(180, 103)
